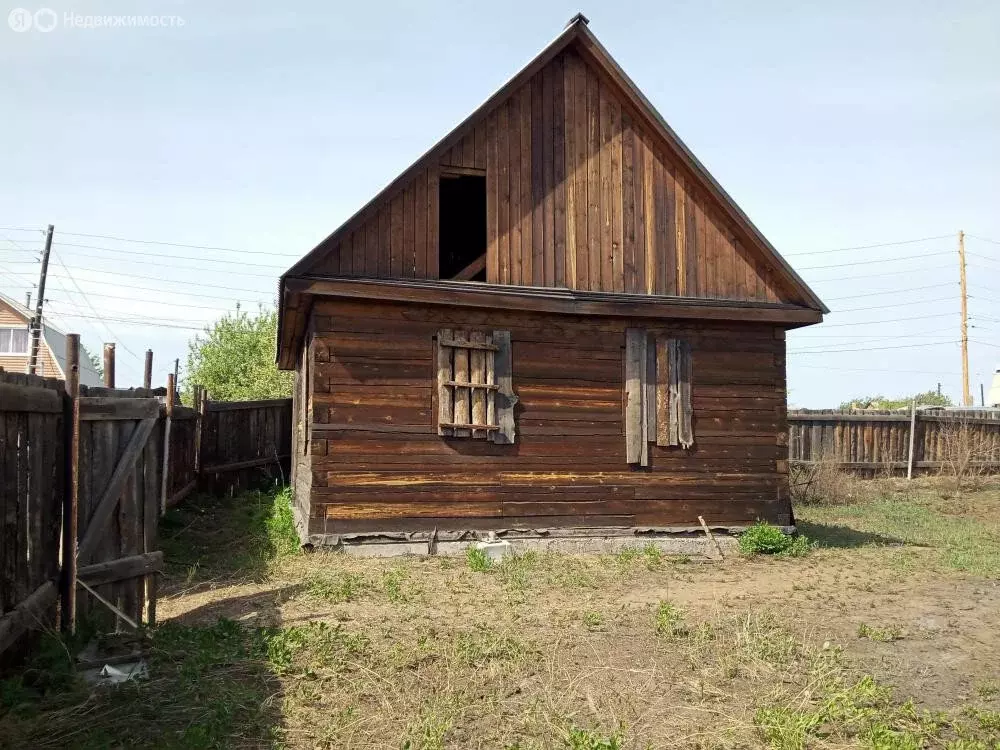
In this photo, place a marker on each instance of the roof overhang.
(299, 292)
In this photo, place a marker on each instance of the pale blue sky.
(260, 127)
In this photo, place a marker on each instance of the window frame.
(7, 332)
(474, 385)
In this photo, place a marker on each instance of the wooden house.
(554, 321)
(15, 341)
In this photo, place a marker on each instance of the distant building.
(994, 397)
(15, 345)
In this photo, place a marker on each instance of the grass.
(882, 635)
(628, 651)
(764, 539)
(258, 531)
(961, 534)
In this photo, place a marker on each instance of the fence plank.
(883, 439)
(109, 497)
(28, 398)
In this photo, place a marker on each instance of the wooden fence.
(881, 439)
(92, 469)
(239, 439)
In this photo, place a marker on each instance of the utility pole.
(966, 396)
(36, 324)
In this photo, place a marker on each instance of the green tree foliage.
(96, 362)
(927, 398)
(234, 359)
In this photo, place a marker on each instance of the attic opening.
(462, 227)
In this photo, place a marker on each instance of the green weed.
(586, 739)
(593, 620)
(396, 586)
(883, 635)
(335, 587)
(483, 646)
(669, 621)
(478, 560)
(764, 539)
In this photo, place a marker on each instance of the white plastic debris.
(495, 549)
(117, 674)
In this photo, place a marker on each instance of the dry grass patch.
(548, 652)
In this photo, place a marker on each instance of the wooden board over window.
(657, 394)
(475, 393)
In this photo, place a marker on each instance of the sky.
(246, 132)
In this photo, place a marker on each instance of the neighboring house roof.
(55, 339)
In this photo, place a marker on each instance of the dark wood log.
(122, 568)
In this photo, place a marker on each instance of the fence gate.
(117, 476)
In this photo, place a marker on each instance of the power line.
(871, 349)
(172, 244)
(866, 369)
(20, 276)
(176, 267)
(85, 299)
(126, 321)
(873, 336)
(880, 260)
(185, 282)
(867, 247)
(878, 275)
(984, 239)
(175, 257)
(158, 302)
(896, 304)
(984, 257)
(891, 320)
(891, 291)
(120, 285)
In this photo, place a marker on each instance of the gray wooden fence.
(880, 439)
(92, 472)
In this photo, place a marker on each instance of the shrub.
(764, 539)
(478, 560)
(670, 621)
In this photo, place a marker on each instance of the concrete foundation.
(682, 541)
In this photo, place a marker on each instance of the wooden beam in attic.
(476, 266)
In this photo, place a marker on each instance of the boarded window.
(657, 394)
(475, 389)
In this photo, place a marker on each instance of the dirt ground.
(883, 636)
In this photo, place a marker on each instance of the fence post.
(109, 365)
(913, 432)
(147, 373)
(71, 497)
(164, 478)
(200, 403)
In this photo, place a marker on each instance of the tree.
(96, 362)
(927, 398)
(234, 359)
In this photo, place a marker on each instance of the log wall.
(377, 462)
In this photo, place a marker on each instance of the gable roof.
(55, 339)
(578, 33)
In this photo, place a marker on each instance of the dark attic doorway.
(462, 227)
